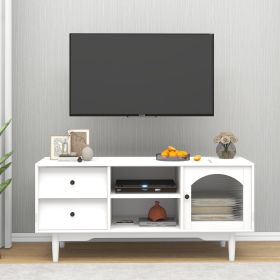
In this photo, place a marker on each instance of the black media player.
(140, 186)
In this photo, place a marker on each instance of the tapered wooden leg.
(231, 248)
(55, 248)
(223, 243)
(61, 244)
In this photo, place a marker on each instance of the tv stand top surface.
(145, 161)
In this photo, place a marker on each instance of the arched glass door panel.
(217, 197)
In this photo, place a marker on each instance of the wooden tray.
(160, 157)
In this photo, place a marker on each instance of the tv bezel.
(141, 115)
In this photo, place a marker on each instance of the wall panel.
(247, 85)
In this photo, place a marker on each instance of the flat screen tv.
(150, 74)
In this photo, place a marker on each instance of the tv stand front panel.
(75, 201)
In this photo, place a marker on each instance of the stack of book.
(68, 157)
(216, 208)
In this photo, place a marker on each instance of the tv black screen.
(141, 74)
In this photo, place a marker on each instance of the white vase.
(87, 153)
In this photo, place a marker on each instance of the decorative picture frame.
(79, 140)
(57, 144)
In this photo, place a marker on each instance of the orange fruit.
(182, 153)
(172, 154)
(165, 153)
(179, 153)
(170, 148)
(197, 157)
(185, 153)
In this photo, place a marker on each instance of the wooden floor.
(141, 252)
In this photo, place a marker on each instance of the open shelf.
(138, 207)
(145, 173)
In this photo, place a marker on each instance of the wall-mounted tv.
(149, 74)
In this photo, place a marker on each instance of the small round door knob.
(187, 196)
(72, 182)
(72, 214)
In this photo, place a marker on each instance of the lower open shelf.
(127, 214)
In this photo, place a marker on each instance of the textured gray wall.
(247, 87)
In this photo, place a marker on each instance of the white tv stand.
(76, 202)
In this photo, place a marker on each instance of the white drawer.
(64, 182)
(72, 214)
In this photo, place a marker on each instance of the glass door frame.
(242, 175)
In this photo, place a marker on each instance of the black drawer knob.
(72, 182)
(72, 214)
(187, 196)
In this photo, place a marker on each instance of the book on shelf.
(169, 222)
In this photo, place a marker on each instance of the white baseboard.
(258, 236)
(252, 236)
(31, 237)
